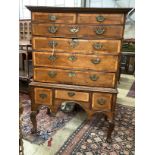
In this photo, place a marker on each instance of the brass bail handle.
(100, 18)
(71, 94)
(101, 101)
(42, 96)
(99, 30)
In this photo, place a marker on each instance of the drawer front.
(43, 96)
(69, 18)
(85, 78)
(101, 101)
(100, 18)
(76, 45)
(72, 95)
(57, 30)
(76, 61)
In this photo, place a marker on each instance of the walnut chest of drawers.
(76, 55)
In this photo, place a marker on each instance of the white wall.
(24, 13)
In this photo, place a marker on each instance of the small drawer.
(72, 95)
(101, 101)
(43, 96)
(100, 18)
(69, 18)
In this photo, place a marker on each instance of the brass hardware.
(52, 74)
(52, 43)
(42, 96)
(52, 29)
(101, 101)
(74, 29)
(73, 43)
(96, 61)
(71, 94)
(94, 77)
(97, 45)
(99, 30)
(100, 18)
(71, 74)
(72, 58)
(52, 17)
(52, 57)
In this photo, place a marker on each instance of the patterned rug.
(87, 138)
(46, 125)
(90, 137)
(131, 92)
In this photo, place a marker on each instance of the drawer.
(76, 45)
(85, 78)
(69, 18)
(59, 30)
(101, 101)
(43, 96)
(108, 63)
(72, 95)
(100, 18)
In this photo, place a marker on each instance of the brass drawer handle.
(52, 74)
(73, 43)
(101, 101)
(70, 94)
(71, 74)
(96, 61)
(52, 43)
(98, 46)
(74, 29)
(72, 58)
(99, 30)
(42, 96)
(52, 17)
(52, 57)
(100, 18)
(94, 77)
(52, 29)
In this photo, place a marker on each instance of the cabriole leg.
(110, 130)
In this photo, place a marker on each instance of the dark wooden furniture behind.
(127, 63)
(128, 56)
(76, 53)
(25, 30)
(25, 65)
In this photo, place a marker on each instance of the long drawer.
(91, 31)
(76, 45)
(106, 63)
(86, 78)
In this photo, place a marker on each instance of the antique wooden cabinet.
(76, 54)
